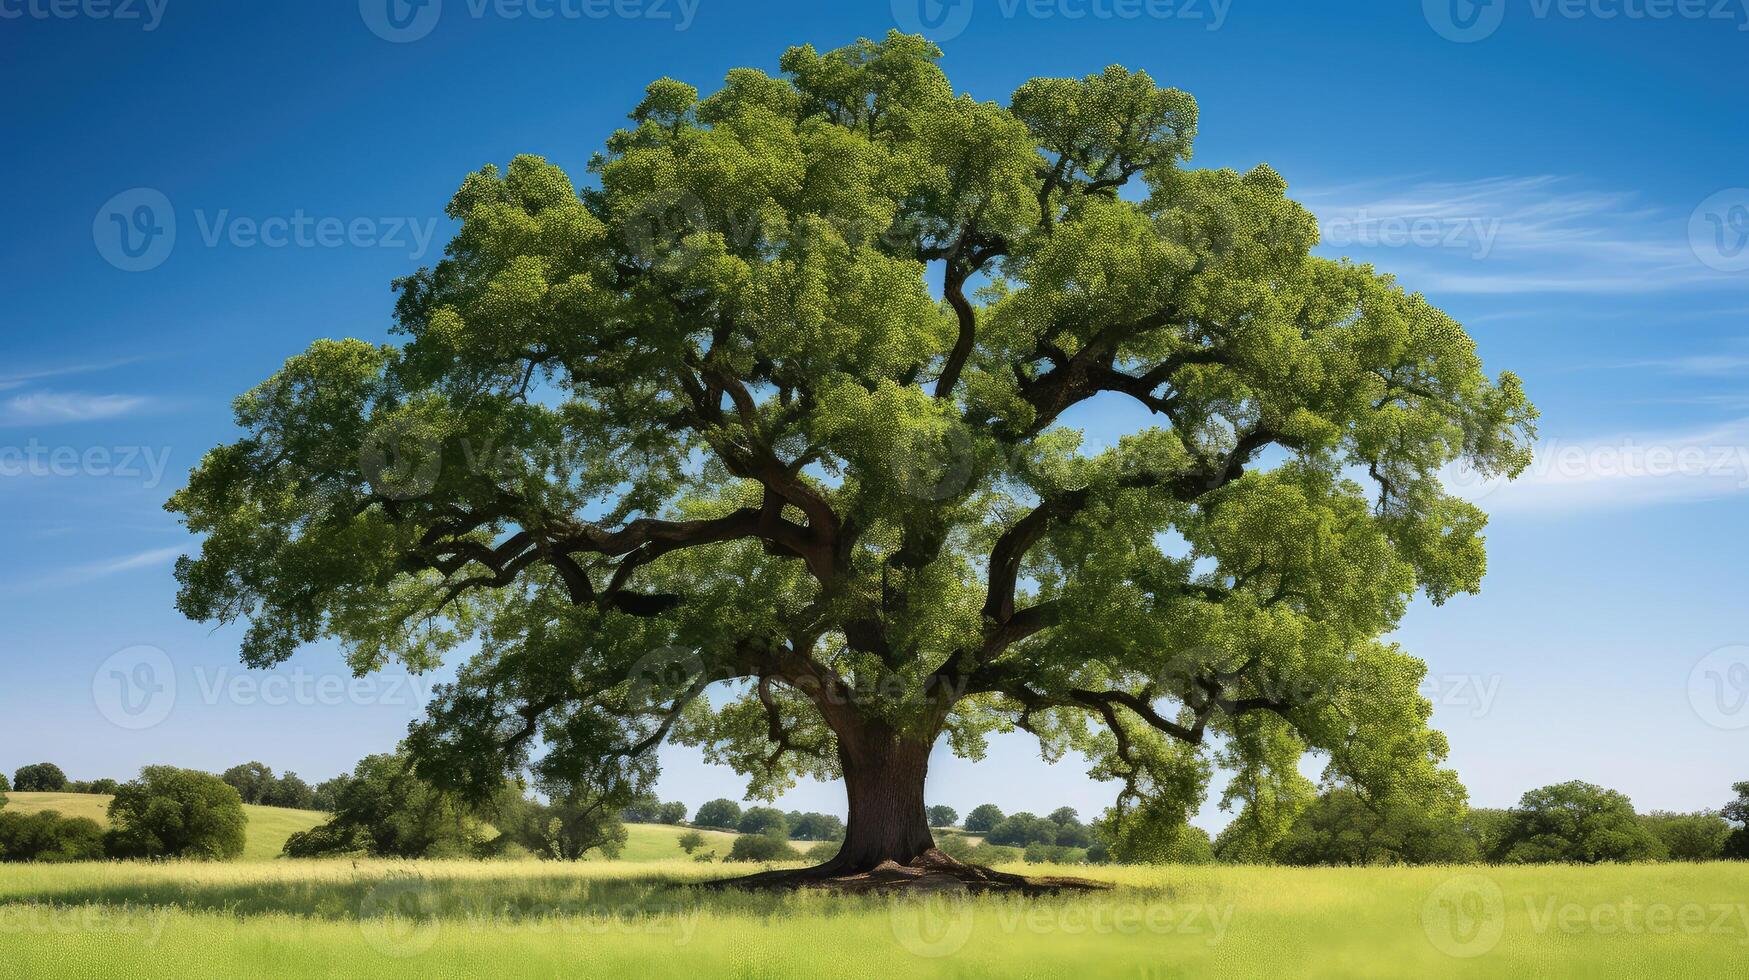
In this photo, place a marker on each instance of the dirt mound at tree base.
(931, 871)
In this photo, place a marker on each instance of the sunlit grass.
(466, 918)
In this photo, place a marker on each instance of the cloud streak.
(1624, 471)
(82, 574)
(1513, 235)
(51, 407)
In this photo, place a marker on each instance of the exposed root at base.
(931, 871)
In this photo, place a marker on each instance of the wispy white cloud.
(81, 574)
(1539, 234)
(49, 407)
(1627, 470)
(14, 380)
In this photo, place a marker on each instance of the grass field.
(463, 919)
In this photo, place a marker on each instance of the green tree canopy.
(177, 813)
(1575, 822)
(786, 397)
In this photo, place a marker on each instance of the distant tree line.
(385, 808)
(1573, 822)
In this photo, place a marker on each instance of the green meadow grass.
(269, 826)
(488, 919)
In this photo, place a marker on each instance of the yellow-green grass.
(661, 842)
(269, 826)
(416, 919)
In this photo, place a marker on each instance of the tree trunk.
(883, 776)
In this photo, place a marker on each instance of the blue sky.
(1568, 179)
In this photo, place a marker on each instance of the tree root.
(931, 871)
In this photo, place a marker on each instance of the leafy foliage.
(1689, 836)
(943, 816)
(721, 814)
(1577, 822)
(761, 847)
(983, 818)
(47, 836)
(41, 777)
(706, 422)
(385, 809)
(176, 813)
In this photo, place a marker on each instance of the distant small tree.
(722, 814)
(691, 841)
(43, 777)
(671, 813)
(983, 818)
(4, 784)
(1063, 816)
(943, 816)
(762, 847)
(251, 780)
(1022, 829)
(385, 809)
(1689, 836)
(564, 829)
(764, 820)
(644, 808)
(176, 813)
(815, 826)
(291, 792)
(1575, 822)
(104, 787)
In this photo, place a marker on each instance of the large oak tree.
(781, 407)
